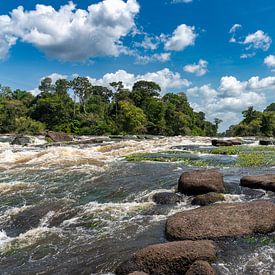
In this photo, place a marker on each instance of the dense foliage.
(255, 123)
(79, 107)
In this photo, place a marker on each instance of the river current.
(83, 208)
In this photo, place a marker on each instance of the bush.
(26, 125)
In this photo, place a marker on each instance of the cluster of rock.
(193, 232)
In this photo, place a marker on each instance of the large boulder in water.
(266, 182)
(201, 268)
(58, 137)
(21, 140)
(221, 221)
(166, 198)
(223, 142)
(168, 258)
(265, 142)
(207, 199)
(201, 182)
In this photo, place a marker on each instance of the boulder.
(168, 258)
(265, 142)
(201, 182)
(21, 140)
(58, 137)
(222, 221)
(201, 268)
(266, 182)
(207, 199)
(223, 142)
(166, 198)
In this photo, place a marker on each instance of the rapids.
(82, 208)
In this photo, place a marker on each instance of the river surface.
(82, 208)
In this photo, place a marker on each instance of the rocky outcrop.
(168, 258)
(265, 142)
(201, 182)
(21, 140)
(223, 142)
(207, 199)
(221, 221)
(201, 268)
(58, 137)
(266, 182)
(166, 198)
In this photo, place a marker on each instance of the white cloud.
(148, 43)
(199, 69)
(70, 33)
(162, 57)
(270, 61)
(233, 30)
(165, 78)
(181, 38)
(181, 1)
(231, 97)
(258, 40)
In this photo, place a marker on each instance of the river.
(83, 208)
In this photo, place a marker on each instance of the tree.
(82, 88)
(217, 122)
(46, 85)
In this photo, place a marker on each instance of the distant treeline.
(78, 107)
(255, 123)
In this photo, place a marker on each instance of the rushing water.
(82, 208)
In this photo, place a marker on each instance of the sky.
(219, 52)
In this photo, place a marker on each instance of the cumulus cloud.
(270, 61)
(145, 59)
(165, 78)
(231, 97)
(258, 40)
(199, 68)
(70, 33)
(253, 42)
(181, 38)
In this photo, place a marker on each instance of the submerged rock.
(168, 258)
(201, 268)
(58, 137)
(207, 199)
(166, 198)
(21, 140)
(201, 182)
(222, 142)
(221, 221)
(266, 182)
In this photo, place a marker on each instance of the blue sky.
(219, 52)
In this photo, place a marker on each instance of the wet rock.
(21, 140)
(58, 137)
(265, 142)
(252, 194)
(221, 221)
(207, 199)
(266, 182)
(166, 198)
(201, 268)
(228, 142)
(32, 217)
(168, 258)
(201, 182)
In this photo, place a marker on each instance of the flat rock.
(222, 221)
(58, 137)
(138, 273)
(265, 142)
(166, 198)
(201, 182)
(266, 182)
(168, 258)
(201, 268)
(223, 142)
(207, 199)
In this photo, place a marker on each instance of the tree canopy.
(79, 107)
